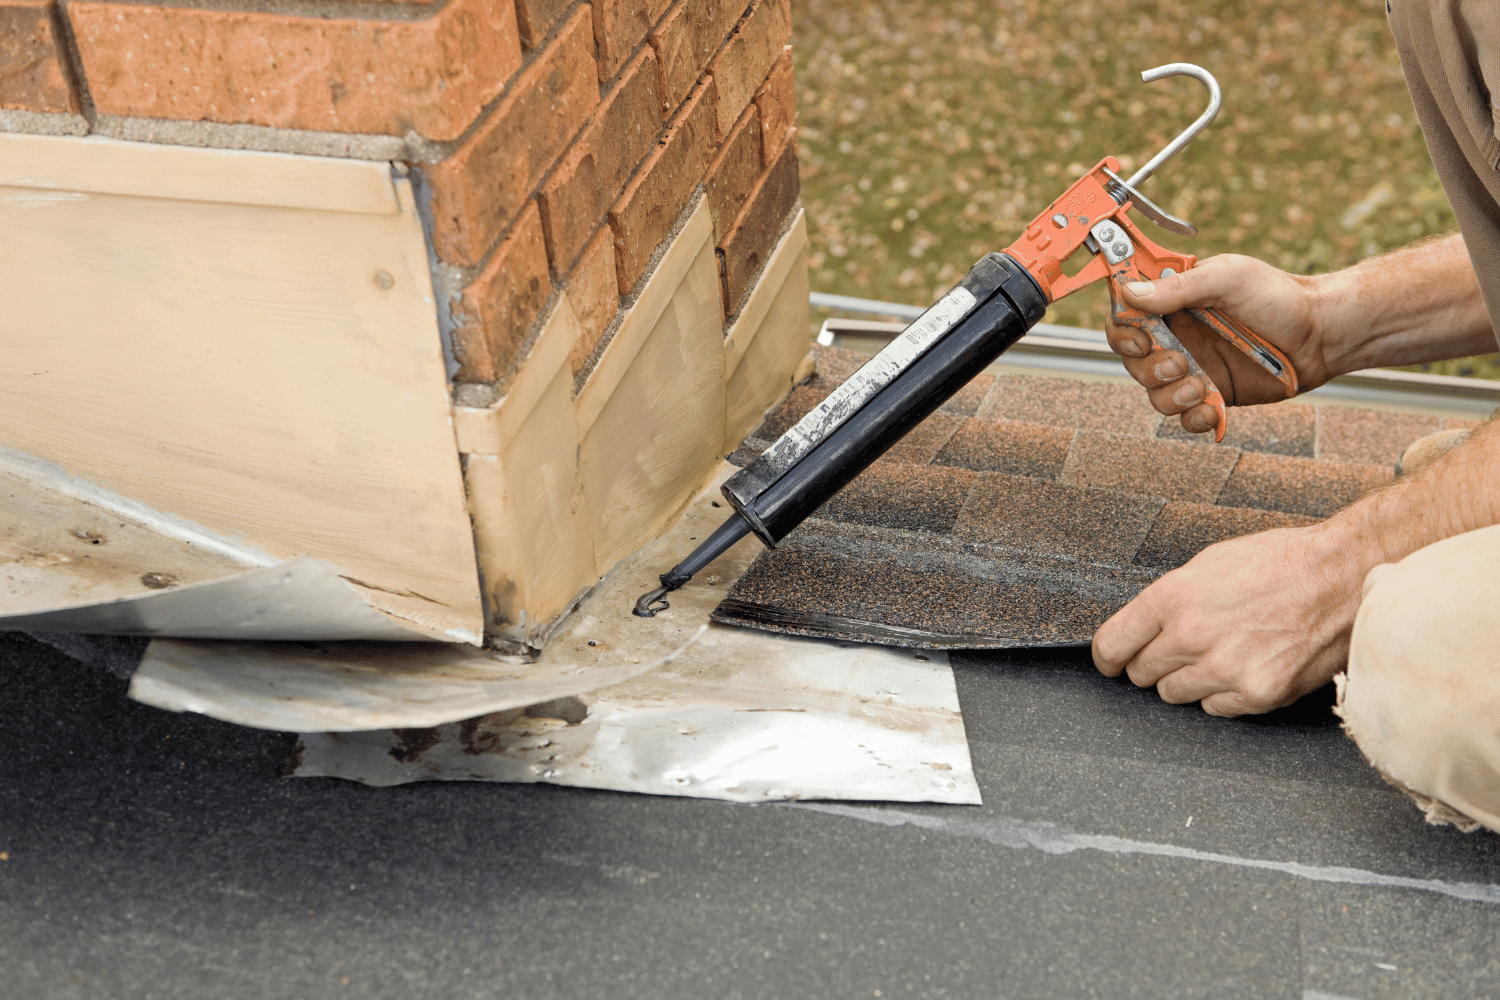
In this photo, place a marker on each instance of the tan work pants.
(1422, 692)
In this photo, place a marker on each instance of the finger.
(1194, 682)
(1125, 634)
(1127, 341)
(1157, 369)
(1158, 659)
(1204, 285)
(1227, 705)
(1200, 419)
(1179, 396)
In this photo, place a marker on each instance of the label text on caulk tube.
(873, 376)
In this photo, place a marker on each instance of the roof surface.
(1028, 509)
(1126, 848)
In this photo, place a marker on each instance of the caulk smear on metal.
(1053, 839)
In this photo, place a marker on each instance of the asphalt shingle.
(1031, 521)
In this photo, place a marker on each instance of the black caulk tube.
(937, 355)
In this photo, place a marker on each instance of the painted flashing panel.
(270, 373)
(98, 165)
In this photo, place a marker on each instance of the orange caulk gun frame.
(1091, 215)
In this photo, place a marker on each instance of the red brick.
(594, 294)
(618, 136)
(32, 72)
(536, 17)
(499, 307)
(777, 100)
(645, 213)
(477, 189)
(332, 74)
(734, 172)
(750, 242)
(739, 70)
(620, 26)
(686, 41)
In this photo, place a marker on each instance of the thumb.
(1201, 286)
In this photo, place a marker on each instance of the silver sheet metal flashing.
(737, 714)
(1050, 349)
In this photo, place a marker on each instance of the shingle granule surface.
(1371, 437)
(1184, 529)
(1009, 446)
(1028, 510)
(1278, 428)
(1148, 466)
(1062, 402)
(1316, 488)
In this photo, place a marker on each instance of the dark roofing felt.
(1028, 509)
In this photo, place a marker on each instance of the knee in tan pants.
(1422, 692)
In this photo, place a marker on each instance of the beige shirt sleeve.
(1450, 52)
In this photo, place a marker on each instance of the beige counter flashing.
(247, 341)
(97, 165)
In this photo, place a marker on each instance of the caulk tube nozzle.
(712, 547)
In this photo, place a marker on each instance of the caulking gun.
(1003, 295)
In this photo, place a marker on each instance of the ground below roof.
(148, 854)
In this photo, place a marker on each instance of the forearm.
(1417, 304)
(1459, 492)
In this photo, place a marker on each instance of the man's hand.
(1278, 306)
(1254, 623)
(1420, 303)
(1246, 626)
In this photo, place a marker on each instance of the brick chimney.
(580, 170)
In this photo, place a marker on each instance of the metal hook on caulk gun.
(1215, 102)
(1123, 190)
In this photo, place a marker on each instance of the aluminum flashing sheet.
(734, 714)
(1029, 509)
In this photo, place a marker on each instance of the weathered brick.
(594, 293)
(619, 134)
(331, 74)
(644, 214)
(619, 28)
(686, 40)
(32, 73)
(498, 308)
(777, 101)
(739, 70)
(733, 172)
(536, 17)
(746, 247)
(477, 189)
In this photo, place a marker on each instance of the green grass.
(932, 132)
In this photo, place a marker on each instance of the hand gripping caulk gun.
(1002, 296)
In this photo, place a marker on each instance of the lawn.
(932, 132)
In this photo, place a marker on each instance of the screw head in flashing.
(383, 280)
(1121, 249)
(1107, 235)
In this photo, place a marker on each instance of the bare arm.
(1420, 303)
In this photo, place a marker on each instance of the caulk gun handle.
(1252, 345)
(1155, 327)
